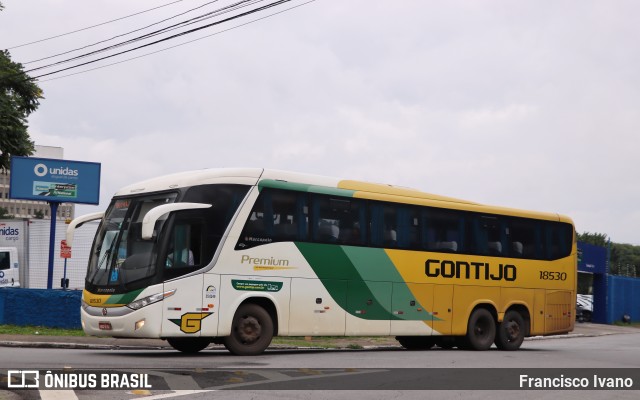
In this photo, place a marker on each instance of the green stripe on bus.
(368, 275)
(302, 187)
(331, 263)
(374, 265)
(124, 298)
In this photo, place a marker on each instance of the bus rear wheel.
(481, 330)
(189, 345)
(511, 331)
(251, 331)
(415, 342)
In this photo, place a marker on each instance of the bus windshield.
(119, 255)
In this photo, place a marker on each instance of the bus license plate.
(104, 326)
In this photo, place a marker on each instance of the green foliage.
(596, 239)
(4, 213)
(624, 258)
(39, 330)
(19, 97)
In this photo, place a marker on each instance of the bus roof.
(321, 184)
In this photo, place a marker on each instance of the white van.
(9, 267)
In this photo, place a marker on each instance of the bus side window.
(337, 220)
(445, 231)
(276, 216)
(409, 228)
(393, 226)
(289, 216)
(522, 238)
(258, 228)
(559, 237)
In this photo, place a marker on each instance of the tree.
(596, 239)
(4, 213)
(19, 97)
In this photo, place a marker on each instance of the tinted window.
(281, 215)
(444, 230)
(338, 220)
(277, 216)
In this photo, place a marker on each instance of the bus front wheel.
(511, 331)
(481, 331)
(251, 331)
(189, 345)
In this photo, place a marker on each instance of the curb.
(94, 346)
(49, 345)
(591, 330)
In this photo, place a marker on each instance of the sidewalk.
(92, 342)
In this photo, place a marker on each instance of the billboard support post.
(52, 242)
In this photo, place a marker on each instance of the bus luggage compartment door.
(314, 310)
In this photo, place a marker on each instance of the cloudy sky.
(527, 104)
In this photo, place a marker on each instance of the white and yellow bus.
(237, 256)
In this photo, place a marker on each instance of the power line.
(220, 11)
(123, 34)
(276, 3)
(92, 26)
(172, 47)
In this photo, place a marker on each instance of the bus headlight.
(154, 298)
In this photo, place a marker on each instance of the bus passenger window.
(276, 216)
(289, 216)
(384, 223)
(488, 233)
(338, 220)
(559, 237)
(444, 230)
(409, 228)
(524, 238)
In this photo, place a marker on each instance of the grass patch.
(39, 330)
(334, 342)
(324, 343)
(633, 324)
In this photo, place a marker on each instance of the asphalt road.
(319, 374)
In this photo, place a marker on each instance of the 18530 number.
(553, 276)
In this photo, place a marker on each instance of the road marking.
(58, 395)
(273, 376)
(177, 393)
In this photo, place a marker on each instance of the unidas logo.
(42, 170)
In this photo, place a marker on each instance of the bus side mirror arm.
(79, 221)
(149, 220)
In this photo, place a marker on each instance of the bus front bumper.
(122, 321)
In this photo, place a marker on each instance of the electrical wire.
(173, 47)
(214, 13)
(93, 26)
(188, 32)
(123, 34)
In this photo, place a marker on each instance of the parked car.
(584, 308)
